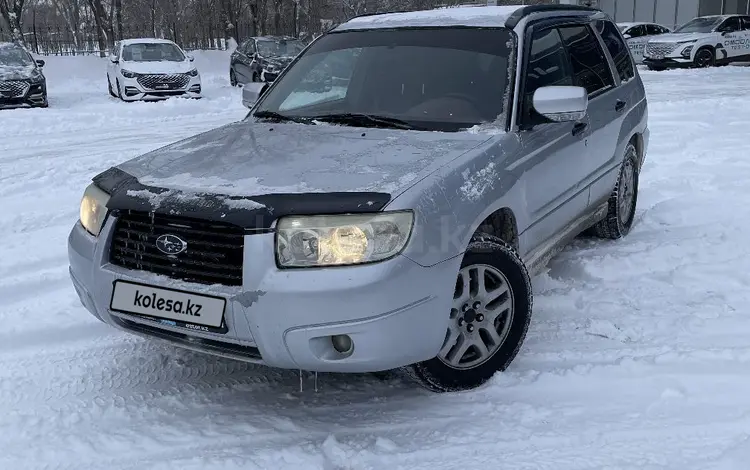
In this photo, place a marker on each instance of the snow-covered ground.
(638, 356)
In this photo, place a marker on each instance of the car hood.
(157, 67)
(680, 37)
(16, 72)
(253, 159)
(279, 61)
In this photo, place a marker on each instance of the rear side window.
(590, 67)
(617, 49)
(547, 66)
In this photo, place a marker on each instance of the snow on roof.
(481, 16)
(145, 41)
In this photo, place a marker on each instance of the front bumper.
(35, 96)
(131, 89)
(668, 62)
(395, 312)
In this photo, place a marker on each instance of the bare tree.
(12, 13)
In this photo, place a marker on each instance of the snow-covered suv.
(151, 69)
(702, 42)
(375, 210)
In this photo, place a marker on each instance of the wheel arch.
(502, 224)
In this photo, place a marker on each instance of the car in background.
(261, 59)
(22, 82)
(393, 224)
(704, 41)
(638, 34)
(151, 69)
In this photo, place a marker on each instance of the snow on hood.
(680, 37)
(158, 67)
(16, 72)
(255, 159)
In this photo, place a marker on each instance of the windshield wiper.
(362, 119)
(281, 117)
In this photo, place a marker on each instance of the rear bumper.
(396, 312)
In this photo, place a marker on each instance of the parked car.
(394, 224)
(638, 34)
(22, 82)
(151, 69)
(702, 42)
(261, 59)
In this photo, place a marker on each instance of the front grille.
(214, 251)
(173, 81)
(13, 89)
(660, 48)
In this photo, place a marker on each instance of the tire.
(232, 78)
(109, 87)
(256, 77)
(705, 57)
(509, 316)
(619, 219)
(656, 68)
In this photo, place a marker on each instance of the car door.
(608, 110)
(553, 152)
(732, 38)
(244, 60)
(744, 42)
(637, 39)
(592, 70)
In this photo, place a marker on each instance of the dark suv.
(22, 83)
(261, 59)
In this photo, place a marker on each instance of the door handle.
(620, 105)
(580, 127)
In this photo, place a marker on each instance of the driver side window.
(547, 66)
(730, 25)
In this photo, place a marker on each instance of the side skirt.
(538, 259)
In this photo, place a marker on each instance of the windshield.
(433, 79)
(15, 56)
(152, 52)
(279, 48)
(699, 25)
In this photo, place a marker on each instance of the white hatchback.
(151, 69)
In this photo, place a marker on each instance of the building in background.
(670, 13)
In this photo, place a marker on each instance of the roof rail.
(376, 13)
(519, 14)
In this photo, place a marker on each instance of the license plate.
(170, 306)
(657, 56)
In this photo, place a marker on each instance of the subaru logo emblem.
(171, 244)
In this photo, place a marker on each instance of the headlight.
(128, 73)
(93, 209)
(193, 73)
(337, 240)
(37, 78)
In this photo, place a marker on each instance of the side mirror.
(113, 59)
(40, 63)
(561, 103)
(191, 58)
(627, 36)
(251, 92)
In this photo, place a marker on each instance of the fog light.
(342, 343)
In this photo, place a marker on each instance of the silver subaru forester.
(385, 201)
